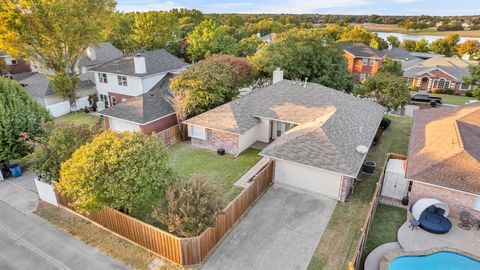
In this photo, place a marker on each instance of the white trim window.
(104, 98)
(447, 84)
(363, 76)
(365, 61)
(372, 62)
(196, 132)
(441, 83)
(122, 80)
(13, 62)
(464, 86)
(102, 77)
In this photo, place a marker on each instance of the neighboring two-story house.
(134, 91)
(362, 60)
(14, 65)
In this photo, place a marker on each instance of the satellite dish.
(362, 149)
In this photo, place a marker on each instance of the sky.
(353, 7)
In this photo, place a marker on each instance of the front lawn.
(221, 171)
(79, 118)
(340, 238)
(386, 223)
(453, 99)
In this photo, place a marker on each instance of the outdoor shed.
(395, 184)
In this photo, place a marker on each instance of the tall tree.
(126, 171)
(393, 41)
(441, 46)
(54, 34)
(409, 45)
(305, 53)
(20, 117)
(391, 66)
(422, 46)
(474, 77)
(249, 45)
(3, 67)
(356, 33)
(208, 39)
(470, 47)
(155, 30)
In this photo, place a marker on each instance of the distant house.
(313, 132)
(15, 66)
(266, 38)
(362, 60)
(439, 72)
(444, 156)
(127, 86)
(39, 87)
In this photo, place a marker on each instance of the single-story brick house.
(315, 134)
(444, 156)
(439, 72)
(149, 113)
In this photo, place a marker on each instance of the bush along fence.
(354, 263)
(183, 251)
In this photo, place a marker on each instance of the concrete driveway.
(29, 242)
(281, 231)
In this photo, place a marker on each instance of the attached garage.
(309, 179)
(121, 125)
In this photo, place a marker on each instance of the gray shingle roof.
(358, 49)
(398, 54)
(146, 108)
(158, 61)
(104, 52)
(454, 66)
(331, 124)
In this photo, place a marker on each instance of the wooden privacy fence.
(169, 136)
(183, 251)
(357, 256)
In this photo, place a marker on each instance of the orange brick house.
(362, 60)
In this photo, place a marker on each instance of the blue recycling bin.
(15, 170)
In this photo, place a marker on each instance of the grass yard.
(386, 223)
(429, 31)
(340, 238)
(79, 118)
(220, 171)
(98, 238)
(453, 99)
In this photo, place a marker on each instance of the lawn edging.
(182, 251)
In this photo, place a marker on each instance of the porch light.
(476, 205)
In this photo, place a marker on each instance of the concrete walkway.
(30, 242)
(373, 259)
(281, 231)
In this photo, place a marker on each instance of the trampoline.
(432, 215)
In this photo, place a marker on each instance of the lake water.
(428, 38)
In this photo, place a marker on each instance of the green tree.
(249, 45)
(190, 207)
(470, 47)
(54, 34)
(474, 75)
(208, 39)
(388, 90)
(57, 145)
(265, 26)
(121, 31)
(20, 117)
(125, 171)
(393, 41)
(154, 30)
(408, 24)
(409, 45)
(441, 46)
(3, 67)
(391, 66)
(378, 43)
(422, 46)
(305, 54)
(356, 33)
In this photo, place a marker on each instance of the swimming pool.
(443, 260)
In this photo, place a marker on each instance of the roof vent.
(362, 149)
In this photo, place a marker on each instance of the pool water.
(443, 260)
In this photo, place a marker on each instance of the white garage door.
(308, 178)
(119, 125)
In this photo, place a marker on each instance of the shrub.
(57, 146)
(414, 88)
(125, 171)
(444, 91)
(190, 207)
(469, 93)
(436, 90)
(385, 123)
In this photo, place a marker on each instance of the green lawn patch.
(221, 171)
(340, 238)
(79, 118)
(386, 223)
(450, 99)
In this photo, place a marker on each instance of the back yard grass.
(454, 99)
(221, 171)
(79, 118)
(340, 238)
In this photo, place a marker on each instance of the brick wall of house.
(118, 97)
(456, 201)
(217, 139)
(159, 125)
(346, 183)
(356, 67)
(22, 66)
(434, 76)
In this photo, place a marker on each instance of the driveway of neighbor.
(29, 242)
(281, 231)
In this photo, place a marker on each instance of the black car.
(425, 98)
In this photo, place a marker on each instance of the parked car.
(425, 98)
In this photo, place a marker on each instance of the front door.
(424, 84)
